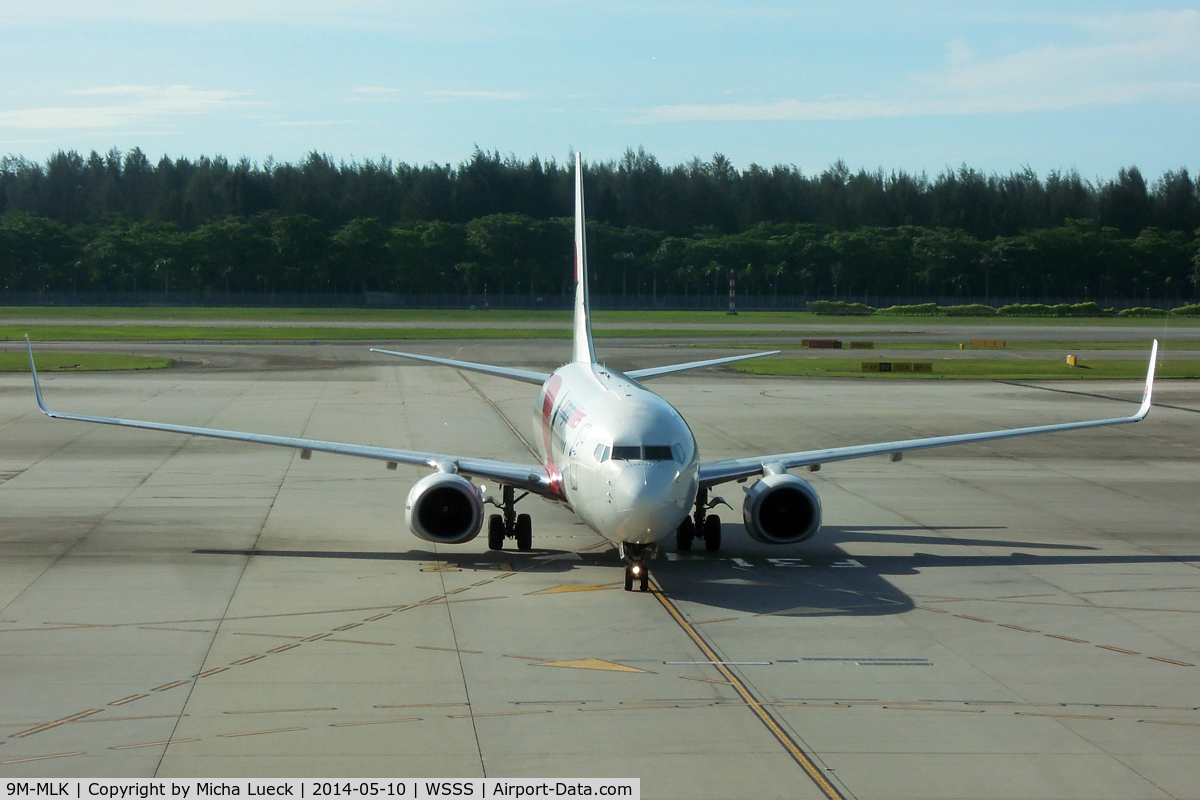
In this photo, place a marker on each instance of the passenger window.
(626, 452)
(658, 452)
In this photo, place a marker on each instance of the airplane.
(615, 453)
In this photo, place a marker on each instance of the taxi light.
(637, 570)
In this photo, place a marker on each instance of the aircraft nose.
(646, 501)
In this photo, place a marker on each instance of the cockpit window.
(601, 453)
(650, 452)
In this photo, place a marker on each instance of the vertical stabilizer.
(585, 352)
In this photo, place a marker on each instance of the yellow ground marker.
(166, 686)
(151, 744)
(282, 648)
(48, 725)
(129, 699)
(214, 671)
(373, 722)
(565, 588)
(593, 663)
(797, 753)
(258, 733)
(40, 758)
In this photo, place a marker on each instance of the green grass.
(972, 369)
(80, 362)
(1132, 344)
(172, 333)
(366, 315)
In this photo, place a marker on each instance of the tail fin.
(585, 352)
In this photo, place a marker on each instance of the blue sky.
(900, 85)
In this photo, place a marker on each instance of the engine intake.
(781, 509)
(444, 508)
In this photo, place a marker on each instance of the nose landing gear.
(637, 558)
(511, 524)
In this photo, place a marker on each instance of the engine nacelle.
(781, 509)
(444, 508)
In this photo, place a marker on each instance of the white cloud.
(127, 104)
(1132, 58)
(376, 90)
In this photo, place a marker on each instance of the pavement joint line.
(447, 649)
(425, 705)
(1058, 716)
(282, 710)
(129, 699)
(376, 617)
(975, 619)
(1025, 630)
(502, 714)
(705, 680)
(718, 619)
(1066, 638)
(48, 725)
(373, 722)
(1118, 649)
(166, 686)
(357, 641)
(258, 733)
(152, 744)
(1170, 722)
(481, 583)
(349, 626)
(526, 658)
(1170, 661)
(802, 758)
(41, 758)
(315, 637)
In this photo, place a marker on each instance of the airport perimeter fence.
(560, 302)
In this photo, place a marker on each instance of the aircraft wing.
(716, 472)
(654, 372)
(523, 375)
(528, 477)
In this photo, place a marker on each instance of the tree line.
(517, 254)
(119, 222)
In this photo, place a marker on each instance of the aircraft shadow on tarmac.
(816, 578)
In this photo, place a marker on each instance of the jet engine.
(444, 508)
(781, 509)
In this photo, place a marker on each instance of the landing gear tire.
(495, 532)
(684, 535)
(638, 572)
(524, 533)
(712, 532)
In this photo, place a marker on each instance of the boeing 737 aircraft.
(615, 453)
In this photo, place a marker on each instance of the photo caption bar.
(305, 789)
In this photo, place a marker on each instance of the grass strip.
(80, 362)
(972, 369)
(317, 315)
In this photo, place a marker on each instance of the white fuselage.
(621, 457)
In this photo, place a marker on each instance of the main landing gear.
(511, 525)
(701, 525)
(637, 558)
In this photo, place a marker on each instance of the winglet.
(1149, 391)
(585, 352)
(37, 387)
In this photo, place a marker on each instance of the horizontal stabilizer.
(655, 372)
(523, 375)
